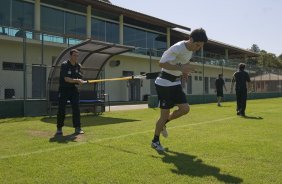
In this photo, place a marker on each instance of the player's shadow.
(187, 165)
(225, 106)
(65, 138)
(192, 166)
(90, 120)
(252, 117)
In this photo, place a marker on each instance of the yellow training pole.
(113, 79)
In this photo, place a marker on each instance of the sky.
(240, 23)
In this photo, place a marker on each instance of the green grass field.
(209, 145)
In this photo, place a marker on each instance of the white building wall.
(12, 51)
(118, 90)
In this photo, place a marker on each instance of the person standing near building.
(219, 84)
(242, 80)
(174, 63)
(70, 77)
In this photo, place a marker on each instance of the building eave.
(129, 13)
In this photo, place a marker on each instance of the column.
(168, 37)
(37, 21)
(121, 29)
(226, 54)
(202, 52)
(88, 21)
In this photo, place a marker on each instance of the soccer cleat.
(164, 132)
(59, 131)
(78, 131)
(157, 146)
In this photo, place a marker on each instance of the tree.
(266, 59)
(280, 57)
(269, 60)
(255, 48)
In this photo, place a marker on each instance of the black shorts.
(169, 96)
(219, 93)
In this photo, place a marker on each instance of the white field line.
(122, 136)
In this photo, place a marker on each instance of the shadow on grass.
(187, 165)
(192, 166)
(90, 120)
(64, 138)
(224, 106)
(252, 117)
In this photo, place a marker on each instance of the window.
(12, 66)
(105, 31)
(144, 25)
(22, 14)
(75, 24)
(105, 15)
(58, 21)
(112, 32)
(52, 20)
(66, 5)
(134, 37)
(212, 82)
(145, 39)
(5, 12)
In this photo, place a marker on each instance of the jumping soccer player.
(174, 63)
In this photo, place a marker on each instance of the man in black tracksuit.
(219, 84)
(70, 76)
(242, 80)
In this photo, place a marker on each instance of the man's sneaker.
(157, 145)
(78, 131)
(59, 131)
(164, 132)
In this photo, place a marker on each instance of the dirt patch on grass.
(39, 133)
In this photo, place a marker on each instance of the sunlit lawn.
(209, 145)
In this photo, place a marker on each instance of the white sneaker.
(164, 132)
(78, 131)
(157, 146)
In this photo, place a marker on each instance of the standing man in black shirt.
(219, 84)
(242, 80)
(70, 76)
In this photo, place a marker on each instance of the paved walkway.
(126, 107)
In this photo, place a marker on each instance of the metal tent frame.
(93, 55)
